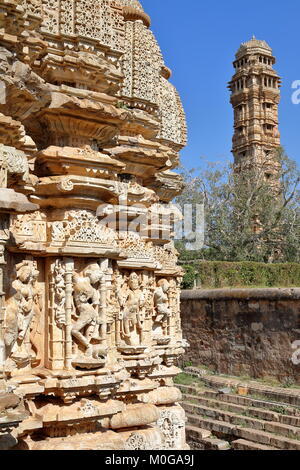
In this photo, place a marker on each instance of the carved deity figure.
(59, 272)
(161, 301)
(174, 302)
(133, 303)
(149, 288)
(21, 312)
(89, 318)
(174, 296)
(114, 300)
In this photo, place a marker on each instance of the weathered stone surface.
(162, 396)
(243, 331)
(10, 200)
(8, 400)
(135, 415)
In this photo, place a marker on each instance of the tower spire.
(255, 95)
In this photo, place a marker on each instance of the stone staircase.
(225, 414)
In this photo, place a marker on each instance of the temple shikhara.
(90, 131)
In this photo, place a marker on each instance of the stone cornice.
(241, 294)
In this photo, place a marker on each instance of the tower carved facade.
(90, 132)
(255, 96)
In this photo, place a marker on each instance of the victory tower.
(255, 96)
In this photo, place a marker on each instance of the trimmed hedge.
(219, 274)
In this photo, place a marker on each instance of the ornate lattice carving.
(135, 247)
(94, 19)
(142, 64)
(67, 17)
(33, 7)
(132, 3)
(82, 226)
(172, 116)
(166, 255)
(51, 13)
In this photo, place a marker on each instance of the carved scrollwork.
(65, 185)
(136, 442)
(171, 426)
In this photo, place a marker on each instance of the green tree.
(252, 215)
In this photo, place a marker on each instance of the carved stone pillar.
(69, 263)
(60, 281)
(4, 235)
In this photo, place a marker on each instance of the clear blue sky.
(199, 40)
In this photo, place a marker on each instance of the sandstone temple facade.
(255, 96)
(90, 131)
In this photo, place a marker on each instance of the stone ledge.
(10, 200)
(242, 294)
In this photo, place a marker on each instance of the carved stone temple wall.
(90, 131)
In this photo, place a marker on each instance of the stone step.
(290, 412)
(242, 420)
(190, 389)
(243, 444)
(201, 433)
(261, 437)
(211, 425)
(277, 394)
(248, 434)
(285, 415)
(227, 406)
(201, 439)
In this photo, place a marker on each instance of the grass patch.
(186, 379)
(279, 409)
(271, 381)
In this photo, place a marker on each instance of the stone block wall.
(244, 332)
